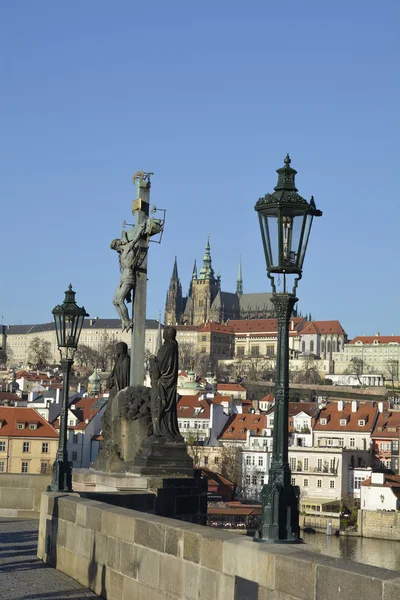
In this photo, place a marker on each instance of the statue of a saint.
(119, 377)
(164, 379)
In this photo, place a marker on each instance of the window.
(45, 447)
(32, 426)
(203, 349)
(75, 438)
(352, 442)
(240, 351)
(319, 464)
(343, 422)
(206, 460)
(24, 467)
(361, 422)
(341, 442)
(303, 346)
(322, 347)
(292, 464)
(20, 425)
(323, 421)
(216, 460)
(248, 479)
(270, 350)
(332, 484)
(44, 467)
(2, 446)
(305, 482)
(203, 338)
(71, 422)
(254, 480)
(293, 481)
(26, 447)
(248, 460)
(74, 456)
(2, 466)
(260, 461)
(395, 445)
(332, 465)
(262, 479)
(334, 346)
(305, 464)
(319, 483)
(255, 351)
(357, 481)
(311, 346)
(328, 346)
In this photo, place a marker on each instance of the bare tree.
(231, 464)
(187, 356)
(39, 353)
(86, 356)
(356, 367)
(195, 448)
(5, 357)
(392, 370)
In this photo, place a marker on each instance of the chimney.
(58, 395)
(256, 404)
(380, 407)
(354, 406)
(340, 405)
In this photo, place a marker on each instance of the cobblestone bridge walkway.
(22, 575)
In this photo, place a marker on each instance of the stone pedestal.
(161, 458)
(183, 498)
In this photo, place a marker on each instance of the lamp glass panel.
(270, 232)
(291, 234)
(306, 235)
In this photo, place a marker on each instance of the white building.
(381, 492)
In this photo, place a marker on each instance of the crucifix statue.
(132, 249)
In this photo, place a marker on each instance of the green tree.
(39, 353)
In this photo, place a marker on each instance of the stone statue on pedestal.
(164, 378)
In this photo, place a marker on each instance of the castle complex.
(206, 301)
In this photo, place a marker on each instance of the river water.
(381, 553)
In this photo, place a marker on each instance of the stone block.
(267, 594)
(171, 575)
(79, 540)
(391, 589)
(93, 518)
(211, 555)
(192, 539)
(66, 561)
(65, 508)
(295, 576)
(191, 581)
(134, 590)
(99, 548)
(114, 585)
(150, 534)
(128, 565)
(60, 532)
(22, 499)
(148, 567)
(173, 541)
(82, 571)
(341, 580)
(249, 560)
(113, 554)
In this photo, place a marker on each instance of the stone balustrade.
(123, 554)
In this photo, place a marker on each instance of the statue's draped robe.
(165, 378)
(121, 373)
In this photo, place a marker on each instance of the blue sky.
(210, 97)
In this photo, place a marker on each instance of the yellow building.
(28, 443)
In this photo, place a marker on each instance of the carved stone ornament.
(291, 198)
(283, 305)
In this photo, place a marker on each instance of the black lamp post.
(285, 221)
(69, 319)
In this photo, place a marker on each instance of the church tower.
(204, 290)
(239, 281)
(173, 305)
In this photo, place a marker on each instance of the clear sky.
(210, 96)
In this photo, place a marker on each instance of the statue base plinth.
(158, 456)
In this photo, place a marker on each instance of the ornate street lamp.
(69, 319)
(285, 221)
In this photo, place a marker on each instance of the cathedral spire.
(239, 281)
(194, 274)
(175, 271)
(207, 271)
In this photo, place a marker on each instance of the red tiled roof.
(10, 416)
(323, 327)
(230, 387)
(83, 411)
(268, 398)
(9, 396)
(366, 411)
(387, 425)
(264, 325)
(187, 404)
(238, 424)
(382, 339)
(392, 481)
(215, 478)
